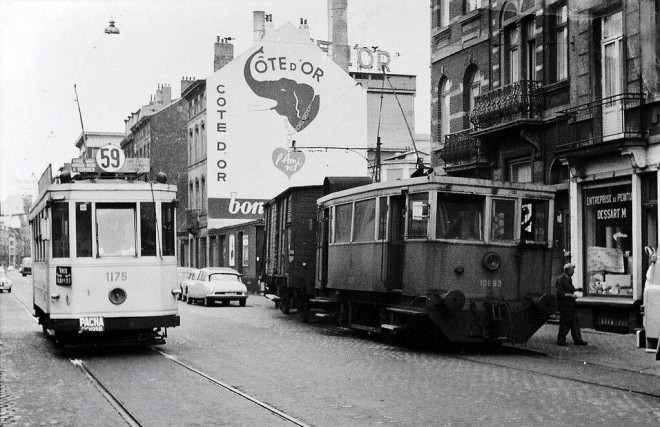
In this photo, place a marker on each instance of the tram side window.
(534, 220)
(382, 218)
(169, 234)
(148, 229)
(504, 214)
(60, 215)
(343, 216)
(459, 216)
(418, 214)
(115, 229)
(365, 221)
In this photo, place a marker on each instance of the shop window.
(459, 216)
(503, 218)
(608, 239)
(418, 214)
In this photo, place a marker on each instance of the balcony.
(520, 102)
(601, 126)
(462, 151)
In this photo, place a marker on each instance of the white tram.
(104, 254)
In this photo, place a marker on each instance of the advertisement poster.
(282, 114)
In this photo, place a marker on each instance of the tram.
(104, 253)
(454, 259)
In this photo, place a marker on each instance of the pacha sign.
(284, 92)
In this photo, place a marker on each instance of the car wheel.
(242, 302)
(189, 300)
(207, 302)
(9, 290)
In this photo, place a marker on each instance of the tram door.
(394, 269)
(322, 249)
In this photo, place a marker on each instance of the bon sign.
(110, 158)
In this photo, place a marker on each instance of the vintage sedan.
(183, 274)
(216, 284)
(5, 282)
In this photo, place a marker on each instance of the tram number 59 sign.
(110, 158)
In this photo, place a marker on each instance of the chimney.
(258, 19)
(186, 82)
(304, 27)
(338, 32)
(224, 53)
(166, 94)
(268, 26)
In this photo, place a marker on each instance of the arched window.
(471, 89)
(443, 108)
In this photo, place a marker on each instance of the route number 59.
(110, 158)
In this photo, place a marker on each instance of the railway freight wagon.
(104, 266)
(454, 259)
(291, 229)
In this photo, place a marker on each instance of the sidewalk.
(617, 353)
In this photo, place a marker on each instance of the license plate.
(92, 324)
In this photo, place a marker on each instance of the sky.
(48, 46)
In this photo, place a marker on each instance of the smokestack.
(338, 32)
(258, 19)
(224, 53)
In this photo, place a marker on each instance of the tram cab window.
(60, 217)
(534, 221)
(343, 217)
(503, 218)
(169, 234)
(83, 229)
(365, 221)
(382, 218)
(418, 214)
(459, 216)
(116, 229)
(147, 229)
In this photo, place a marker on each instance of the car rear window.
(222, 277)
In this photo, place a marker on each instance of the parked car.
(183, 274)
(5, 282)
(26, 266)
(216, 284)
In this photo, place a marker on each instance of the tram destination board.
(132, 165)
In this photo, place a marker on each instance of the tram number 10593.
(487, 283)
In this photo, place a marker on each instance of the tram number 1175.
(116, 276)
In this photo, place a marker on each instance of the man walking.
(568, 317)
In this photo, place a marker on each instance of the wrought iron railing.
(608, 119)
(520, 100)
(461, 147)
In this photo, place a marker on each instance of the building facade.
(561, 92)
(158, 131)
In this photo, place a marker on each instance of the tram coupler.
(453, 300)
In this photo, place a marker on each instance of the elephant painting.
(295, 101)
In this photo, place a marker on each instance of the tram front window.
(459, 216)
(115, 229)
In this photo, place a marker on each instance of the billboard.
(283, 114)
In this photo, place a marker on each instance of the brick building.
(562, 92)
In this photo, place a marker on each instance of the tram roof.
(468, 185)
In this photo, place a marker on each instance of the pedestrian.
(568, 317)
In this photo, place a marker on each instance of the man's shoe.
(581, 343)
(562, 344)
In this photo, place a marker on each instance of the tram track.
(133, 421)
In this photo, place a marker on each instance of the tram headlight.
(117, 296)
(491, 261)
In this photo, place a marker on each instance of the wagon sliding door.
(394, 267)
